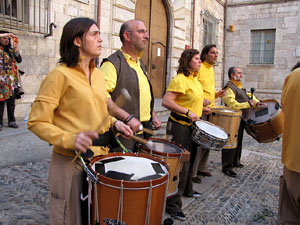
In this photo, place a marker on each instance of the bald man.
(125, 69)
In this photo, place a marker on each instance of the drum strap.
(147, 219)
(178, 118)
(120, 209)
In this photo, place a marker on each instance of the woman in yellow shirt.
(184, 98)
(69, 111)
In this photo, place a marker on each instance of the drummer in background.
(236, 97)
(289, 191)
(69, 111)
(184, 98)
(206, 76)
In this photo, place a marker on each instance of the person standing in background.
(289, 191)
(236, 97)
(206, 76)
(125, 69)
(184, 98)
(9, 76)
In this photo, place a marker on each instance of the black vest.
(127, 78)
(240, 95)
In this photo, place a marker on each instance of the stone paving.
(251, 198)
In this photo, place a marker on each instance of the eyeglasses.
(141, 31)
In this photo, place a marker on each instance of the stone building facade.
(282, 19)
(185, 20)
(190, 23)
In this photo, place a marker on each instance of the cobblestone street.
(251, 198)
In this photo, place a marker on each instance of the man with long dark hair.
(69, 111)
(9, 76)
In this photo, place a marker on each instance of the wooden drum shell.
(229, 119)
(135, 196)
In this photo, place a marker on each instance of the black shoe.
(204, 174)
(197, 194)
(13, 124)
(178, 216)
(239, 165)
(196, 180)
(229, 173)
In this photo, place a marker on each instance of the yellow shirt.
(110, 75)
(291, 128)
(66, 104)
(206, 76)
(229, 98)
(192, 91)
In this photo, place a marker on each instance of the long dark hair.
(205, 51)
(77, 27)
(184, 61)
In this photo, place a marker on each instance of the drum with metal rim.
(130, 189)
(208, 135)
(266, 125)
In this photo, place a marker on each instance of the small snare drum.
(208, 135)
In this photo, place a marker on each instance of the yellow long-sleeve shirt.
(206, 76)
(291, 128)
(66, 104)
(229, 98)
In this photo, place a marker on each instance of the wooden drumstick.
(120, 101)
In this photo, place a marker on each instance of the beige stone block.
(46, 47)
(122, 14)
(31, 83)
(125, 3)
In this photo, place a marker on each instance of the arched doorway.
(153, 14)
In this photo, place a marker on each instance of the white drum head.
(130, 168)
(211, 129)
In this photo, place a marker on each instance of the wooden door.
(153, 14)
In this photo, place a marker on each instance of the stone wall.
(281, 15)
(40, 55)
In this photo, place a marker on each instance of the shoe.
(178, 216)
(239, 165)
(13, 124)
(196, 180)
(196, 194)
(204, 174)
(229, 173)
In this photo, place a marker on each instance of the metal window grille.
(262, 46)
(26, 15)
(209, 32)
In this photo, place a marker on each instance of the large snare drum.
(173, 154)
(130, 189)
(208, 135)
(265, 125)
(229, 119)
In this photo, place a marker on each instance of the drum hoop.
(158, 154)
(134, 189)
(99, 176)
(218, 110)
(214, 137)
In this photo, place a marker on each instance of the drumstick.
(121, 99)
(143, 141)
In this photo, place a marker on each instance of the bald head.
(128, 26)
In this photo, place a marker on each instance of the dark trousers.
(289, 198)
(232, 157)
(182, 135)
(10, 105)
